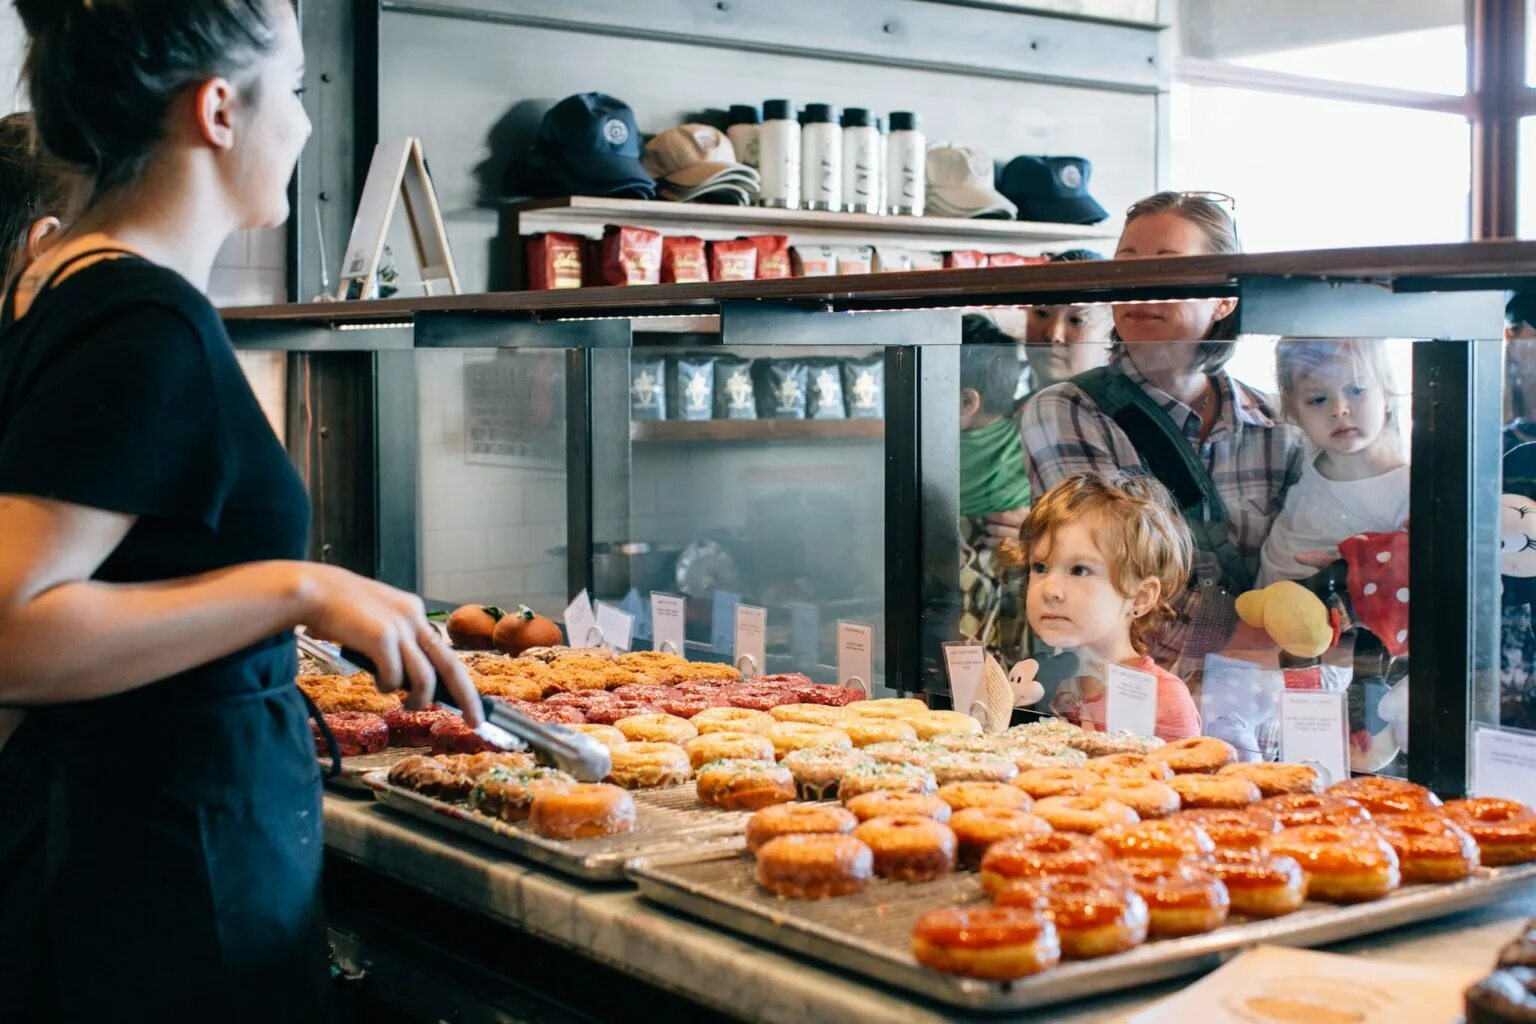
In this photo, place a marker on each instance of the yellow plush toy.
(1294, 617)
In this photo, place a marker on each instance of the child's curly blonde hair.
(1134, 524)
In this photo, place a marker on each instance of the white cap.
(960, 184)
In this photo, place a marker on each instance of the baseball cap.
(960, 184)
(697, 163)
(1051, 188)
(588, 144)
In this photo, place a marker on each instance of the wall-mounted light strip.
(375, 326)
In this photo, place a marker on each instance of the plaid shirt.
(1253, 457)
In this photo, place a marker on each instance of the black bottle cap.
(817, 113)
(857, 117)
(778, 110)
(904, 121)
(742, 113)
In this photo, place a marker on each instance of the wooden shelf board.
(692, 431)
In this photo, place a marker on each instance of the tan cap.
(691, 155)
(960, 183)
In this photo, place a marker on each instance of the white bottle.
(743, 132)
(861, 162)
(778, 154)
(906, 166)
(821, 159)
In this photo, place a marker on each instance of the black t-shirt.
(119, 390)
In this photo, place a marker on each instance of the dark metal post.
(578, 477)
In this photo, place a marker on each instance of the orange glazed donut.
(814, 867)
(642, 765)
(1148, 798)
(977, 828)
(1312, 809)
(1278, 779)
(911, 849)
(1171, 839)
(995, 943)
(889, 803)
(1224, 792)
(1260, 883)
(960, 795)
(1045, 853)
(656, 729)
(582, 811)
(1205, 754)
(1343, 863)
(1095, 915)
(732, 720)
(1429, 847)
(1381, 795)
(1183, 898)
(1235, 830)
(1043, 782)
(1505, 830)
(720, 746)
(797, 819)
(1138, 764)
(1084, 813)
(745, 785)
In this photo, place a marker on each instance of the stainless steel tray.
(668, 821)
(870, 932)
(354, 768)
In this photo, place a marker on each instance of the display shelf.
(714, 431)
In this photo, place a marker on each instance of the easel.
(398, 169)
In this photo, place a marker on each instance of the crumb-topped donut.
(1136, 764)
(582, 811)
(1148, 798)
(960, 766)
(977, 828)
(993, 943)
(1203, 754)
(814, 867)
(409, 728)
(1429, 847)
(1504, 829)
(798, 819)
(656, 729)
(508, 794)
(809, 714)
(886, 803)
(866, 778)
(1168, 839)
(1198, 791)
(819, 771)
(910, 849)
(1042, 853)
(1095, 915)
(362, 732)
(1278, 779)
(1182, 897)
(1044, 782)
(1084, 813)
(1260, 883)
(960, 795)
(1381, 795)
(729, 719)
(1343, 863)
(745, 785)
(1238, 830)
(788, 736)
(611, 711)
(722, 746)
(644, 765)
(865, 731)
(1313, 809)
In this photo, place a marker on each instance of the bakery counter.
(725, 976)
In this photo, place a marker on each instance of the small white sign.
(964, 663)
(580, 622)
(856, 655)
(1314, 729)
(751, 638)
(668, 615)
(616, 625)
(1504, 764)
(1130, 700)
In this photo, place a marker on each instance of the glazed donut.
(1101, 744)
(1148, 798)
(1343, 863)
(866, 778)
(1381, 795)
(1045, 730)
(728, 719)
(721, 746)
(939, 723)
(1044, 782)
(973, 743)
(473, 766)
(809, 714)
(745, 785)
(787, 736)
(1429, 847)
(1507, 996)
(1260, 883)
(508, 794)
(1138, 764)
(1278, 779)
(428, 776)
(1505, 830)
(1205, 755)
(1169, 839)
(889, 707)
(1199, 791)
(1040, 854)
(1183, 898)
(797, 819)
(656, 729)
(1029, 756)
(583, 811)
(814, 867)
(1084, 813)
(1312, 809)
(607, 735)
(958, 766)
(887, 803)
(865, 731)
(915, 752)
(993, 943)
(818, 771)
(645, 765)
(1235, 830)
(1095, 915)
(960, 795)
(910, 849)
(977, 828)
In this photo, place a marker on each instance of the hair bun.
(38, 16)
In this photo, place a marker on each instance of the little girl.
(1341, 394)
(1107, 555)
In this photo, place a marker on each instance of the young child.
(1341, 394)
(1107, 555)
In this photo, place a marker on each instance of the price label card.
(722, 634)
(1130, 700)
(1504, 765)
(580, 622)
(668, 614)
(751, 638)
(964, 663)
(856, 655)
(1314, 728)
(617, 626)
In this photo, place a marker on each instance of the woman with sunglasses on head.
(146, 623)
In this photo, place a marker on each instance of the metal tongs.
(505, 728)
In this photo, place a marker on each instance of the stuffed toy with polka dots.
(1378, 585)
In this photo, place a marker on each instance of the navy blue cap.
(1051, 188)
(590, 140)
